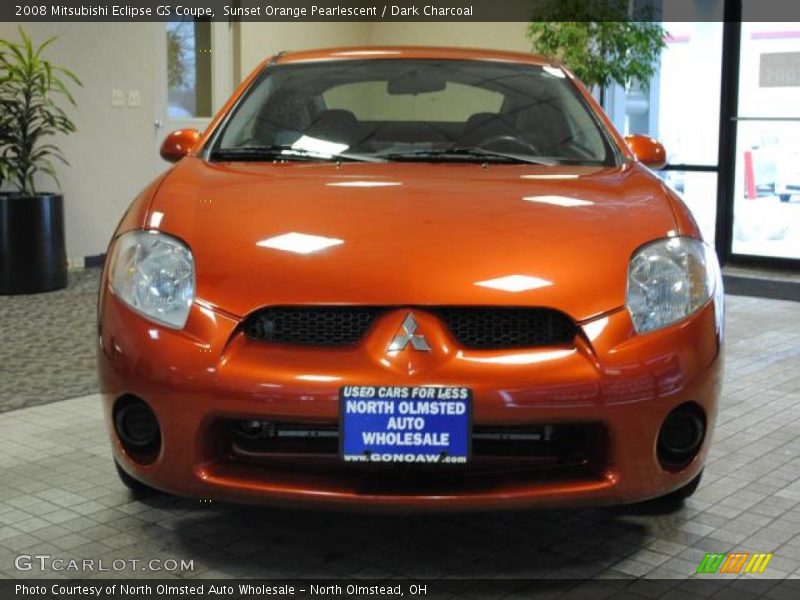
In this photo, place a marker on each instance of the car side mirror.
(178, 144)
(647, 150)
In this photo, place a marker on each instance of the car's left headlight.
(669, 280)
(153, 273)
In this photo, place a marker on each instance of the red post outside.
(749, 176)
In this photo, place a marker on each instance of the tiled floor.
(59, 495)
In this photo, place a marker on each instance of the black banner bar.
(394, 10)
(428, 589)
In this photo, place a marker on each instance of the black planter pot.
(32, 254)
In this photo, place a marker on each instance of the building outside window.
(681, 108)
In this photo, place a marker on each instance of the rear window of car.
(384, 107)
(371, 101)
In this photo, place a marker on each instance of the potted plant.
(32, 251)
(603, 42)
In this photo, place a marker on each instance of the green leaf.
(71, 75)
(32, 90)
(601, 42)
(44, 45)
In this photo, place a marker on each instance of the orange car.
(414, 278)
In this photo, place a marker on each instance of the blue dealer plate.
(388, 424)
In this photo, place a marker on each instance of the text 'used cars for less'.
(411, 278)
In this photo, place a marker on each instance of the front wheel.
(137, 488)
(785, 197)
(681, 494)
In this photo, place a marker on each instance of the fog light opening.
(251, 428)
(137, 428)
(681, 436)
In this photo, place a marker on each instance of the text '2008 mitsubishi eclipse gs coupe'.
(416, 278)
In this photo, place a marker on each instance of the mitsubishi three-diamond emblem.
(407, 334)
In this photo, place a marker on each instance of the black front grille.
(473, 327)
(495, 327)
(311, 326)
(564, 442)
(500, 456)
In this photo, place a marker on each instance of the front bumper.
(197, 379)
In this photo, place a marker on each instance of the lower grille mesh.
(501, 457)
(473, 327)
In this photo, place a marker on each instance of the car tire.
(785, 197)
(137, 488)
(678, 496)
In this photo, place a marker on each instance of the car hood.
(411, 233)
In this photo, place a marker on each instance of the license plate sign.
(388, 424)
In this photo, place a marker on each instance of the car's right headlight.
(669, 280)
(153, 273)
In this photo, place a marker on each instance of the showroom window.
(766, 191)
(733, 150)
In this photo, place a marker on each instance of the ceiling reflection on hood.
(551, 176)
(299, 243)
(558, 200)
(515, 283)
(364, 184)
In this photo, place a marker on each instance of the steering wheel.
(508, 140)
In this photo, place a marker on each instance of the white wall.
(259, 40)
(497, 36)
(111, 153)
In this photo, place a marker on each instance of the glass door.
(681, 108)
(195, 75)
(766, 189)
(688, 116)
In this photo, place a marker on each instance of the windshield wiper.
(284, 152)
(468, 152)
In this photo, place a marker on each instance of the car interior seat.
(484, 126)
(543, 125)
(334, 125)
(283, 119)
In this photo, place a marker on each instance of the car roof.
(419, 52)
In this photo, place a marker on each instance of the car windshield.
(414, 110)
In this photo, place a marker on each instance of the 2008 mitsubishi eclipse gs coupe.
(412, 278)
